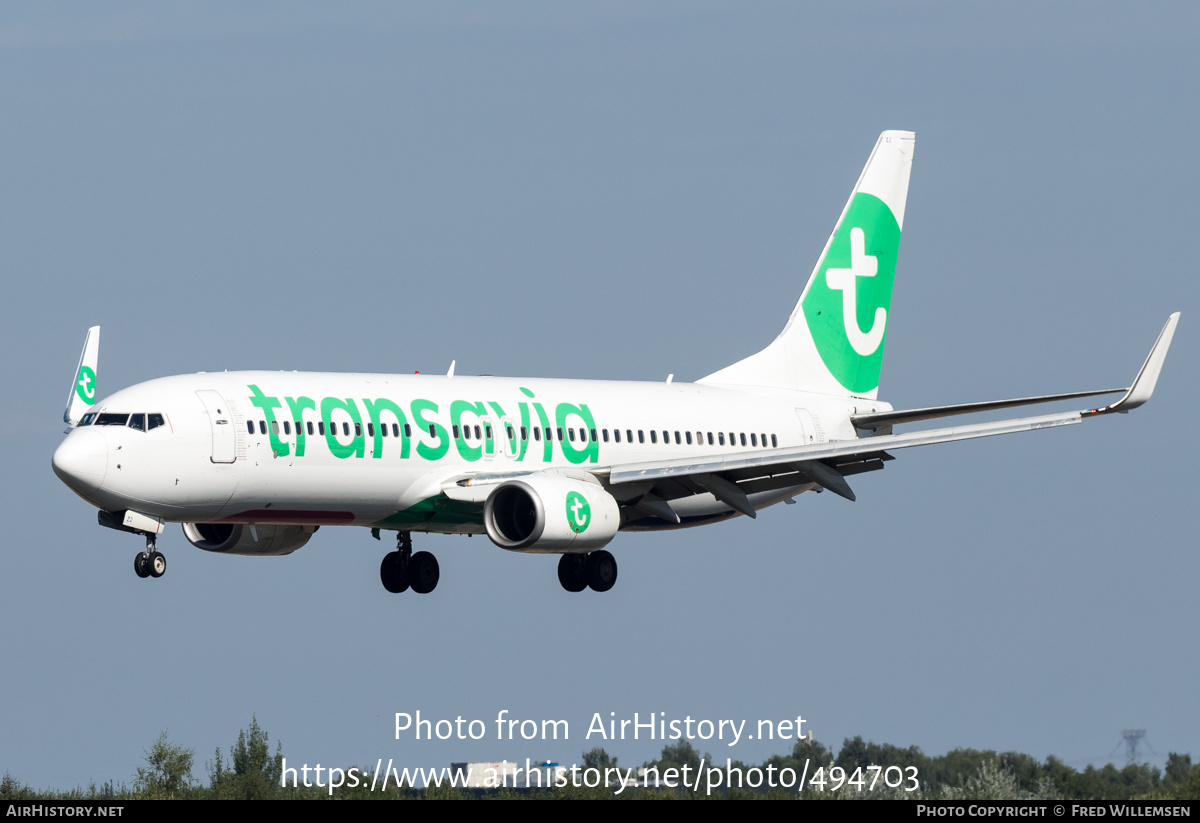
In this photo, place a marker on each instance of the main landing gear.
(151, 562)
(402, 570)
(597, 570)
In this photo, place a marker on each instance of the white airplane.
(253, 463)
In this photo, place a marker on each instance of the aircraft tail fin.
(833, 342)
(83, 389)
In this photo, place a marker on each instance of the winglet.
(1143, 384)
(83, 389)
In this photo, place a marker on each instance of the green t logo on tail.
(847, 304)
(579, 513)
(85, 385)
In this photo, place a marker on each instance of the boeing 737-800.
(254, 463)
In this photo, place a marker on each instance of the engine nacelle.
(550, 513)
(256, 540)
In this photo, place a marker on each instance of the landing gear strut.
(401, 569)
(151, 562)
(597, 570)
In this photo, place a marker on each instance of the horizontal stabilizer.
(1134, 396)
(887, 419)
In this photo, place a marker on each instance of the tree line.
(253, 772)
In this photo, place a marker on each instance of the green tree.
(255, 775)
(678, 755)
(597, 758)
(12, 789)
(1179, 769)
(168, 770)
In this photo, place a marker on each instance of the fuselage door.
(808, 429)
(224, 437)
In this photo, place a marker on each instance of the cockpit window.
(110, 419)
(87, 419)
(138, 422)
(153, 421)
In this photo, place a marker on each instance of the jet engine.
(549, 513)
(254, 540)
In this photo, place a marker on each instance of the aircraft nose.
(82, 460)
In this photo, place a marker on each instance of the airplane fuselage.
(376, 449)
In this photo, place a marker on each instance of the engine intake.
(550, 513)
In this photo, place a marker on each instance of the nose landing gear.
(151, 562)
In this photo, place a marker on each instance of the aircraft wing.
(730, 478)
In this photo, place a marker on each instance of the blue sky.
(612, 190)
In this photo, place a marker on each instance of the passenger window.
(138, 422)
(721, 438)
(743, 438)
(689, 438)
(487, 430)
(275, 427)
(287, 427)
(629, 435)
(371, 429)
(346, 429)
(537, 434)
(617, 435)
(153, 421)
(604, 432)
(653, 436)
(455, 429)
(250, 426)
(308, 426)
(383, 429)
(774, 445)
(408, 430)
(753, 439)
(642, 436)
(509, 429)
(710, 442)
(358, 429)
(321, 426)
(571, 434)
(678, 440)
(432, 431)
(560, 434)
(762, 438)
(524, 434)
